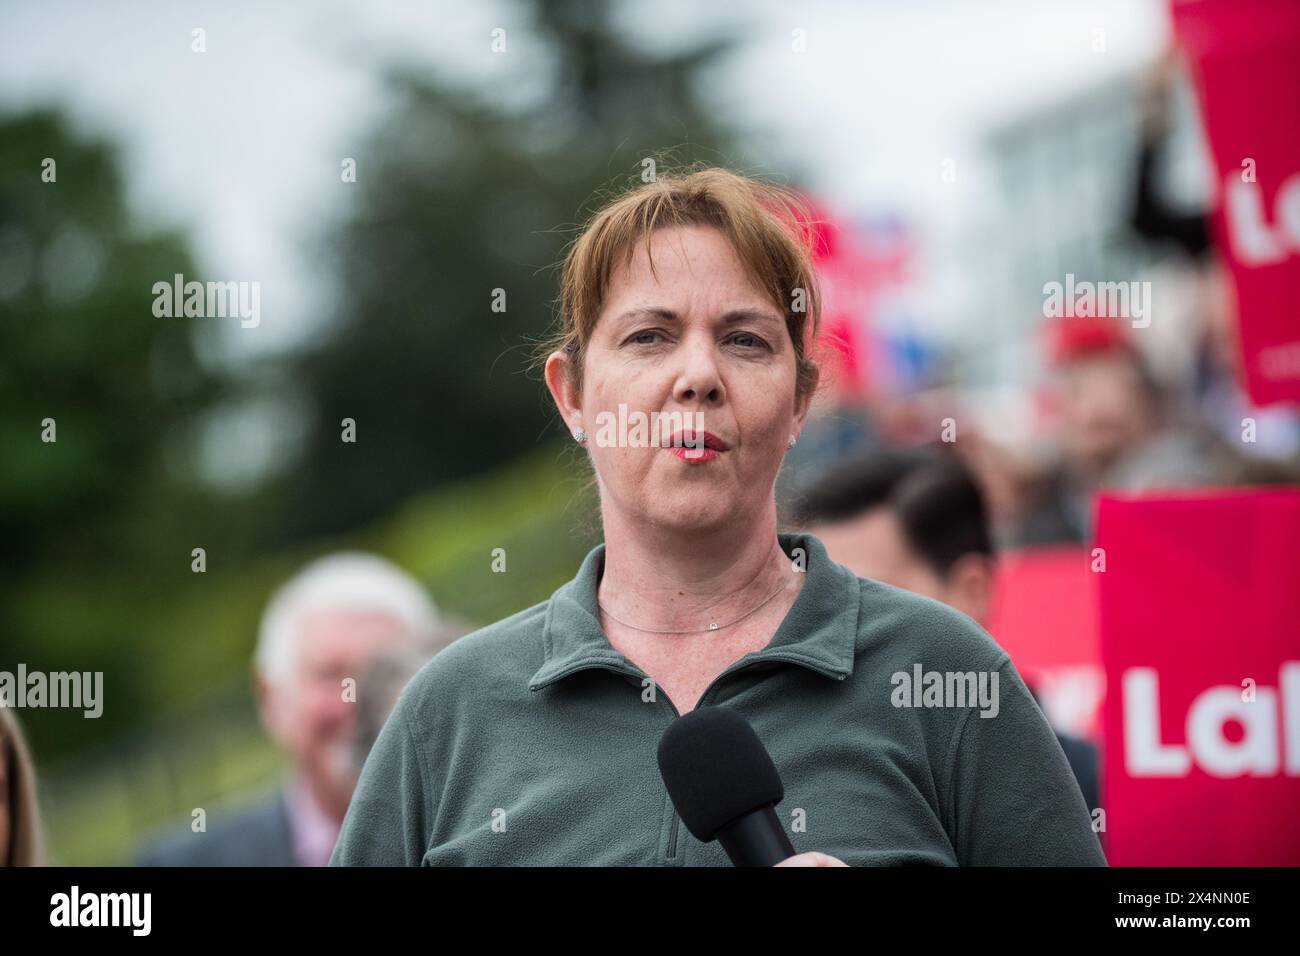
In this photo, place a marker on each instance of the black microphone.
(724, 785)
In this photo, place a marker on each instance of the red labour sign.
(1199, 611)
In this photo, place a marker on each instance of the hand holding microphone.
(812, 859)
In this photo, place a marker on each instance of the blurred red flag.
(855, 267)
(1045, 616)
(1245, 55)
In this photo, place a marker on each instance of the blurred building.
(1064, 175)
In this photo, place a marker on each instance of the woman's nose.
(698, 378)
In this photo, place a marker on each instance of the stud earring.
(580, 435)
(791, 442)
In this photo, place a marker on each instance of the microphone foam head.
(716, 770)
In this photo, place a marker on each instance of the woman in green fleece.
(682, 365)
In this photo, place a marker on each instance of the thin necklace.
(715, 626)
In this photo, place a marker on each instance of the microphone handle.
(756, 839)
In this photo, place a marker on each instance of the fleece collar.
(819, 632)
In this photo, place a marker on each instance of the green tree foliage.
(88, 519)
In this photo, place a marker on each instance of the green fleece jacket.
(903, 733)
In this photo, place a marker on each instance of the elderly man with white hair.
(317, 634)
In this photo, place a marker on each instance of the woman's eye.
(644, 337)
(746, 340)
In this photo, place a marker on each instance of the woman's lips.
(694, 446)
(693, 455)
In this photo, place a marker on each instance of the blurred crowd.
(1123, 405)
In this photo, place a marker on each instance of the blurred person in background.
(386, 673)
(917, 520)
(21, 838)
(1115, 429)
(317, 634)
